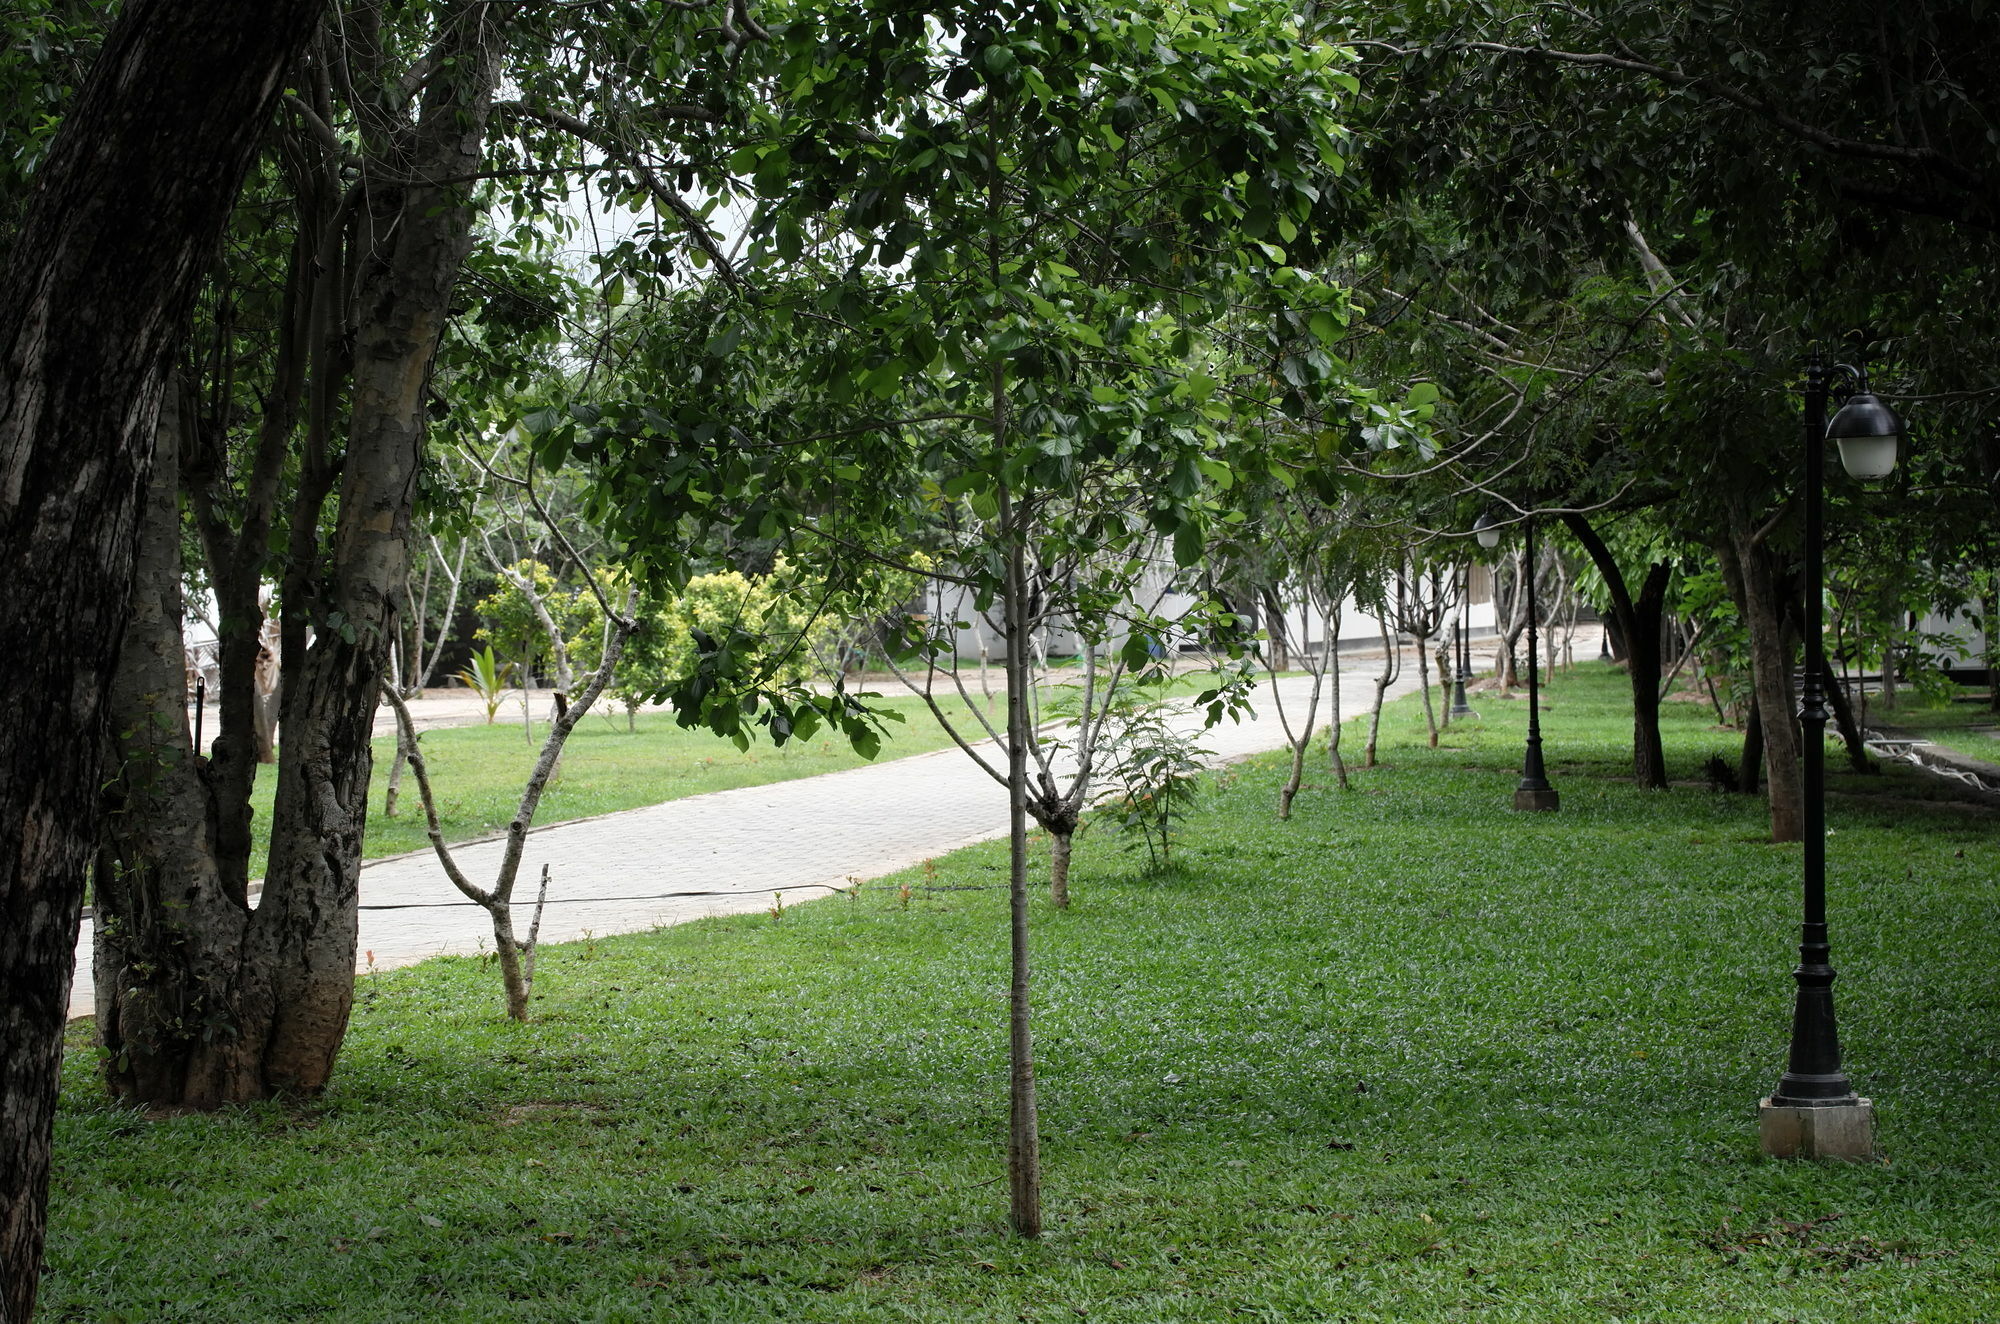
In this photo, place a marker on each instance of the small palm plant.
(488, 676)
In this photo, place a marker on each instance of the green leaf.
(1187, 546)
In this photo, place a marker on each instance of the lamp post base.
(1824, 1131)
(1537, 799)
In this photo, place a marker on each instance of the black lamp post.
(1534, 793)
(1462, 650)
(1814, 1112)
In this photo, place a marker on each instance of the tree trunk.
(1755, 580)
(1392, 658)
(168, 919)
(1303, 742)
(124, 217)
(1024, 1157)
(1274, 628)
(393, 790)
(275, 1025)
(1639, 632)
(300, 949)
(1335, 724)
(1858, 757)
(1750, 765)
(1060, 845)
(1424, 684)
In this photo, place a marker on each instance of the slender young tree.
(1030, 224)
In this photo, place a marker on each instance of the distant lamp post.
(1534, 793)
(1462, 652)
(1814, 1112)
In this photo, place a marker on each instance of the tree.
(1755, 163)
(616, 625)
(1023, 224)
(208, 1001)
(214, 1002)
(122, 218)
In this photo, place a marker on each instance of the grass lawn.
(1965, 728)
(1410, 1056)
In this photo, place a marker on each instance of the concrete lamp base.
(1832, 1131)
(1538, 800)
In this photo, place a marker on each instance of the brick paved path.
(861, 823)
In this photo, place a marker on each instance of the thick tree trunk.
(299, 954)
(1639, 631)
(275, 1024)
(1614, 638)
(168, 918)
(1755, 580)
(94, 295)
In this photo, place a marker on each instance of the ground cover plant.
(1410, 1056)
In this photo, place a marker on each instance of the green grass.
(1965, 728)
(1410, 1056)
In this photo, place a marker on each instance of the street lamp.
(1534, 793)
(1814, 1112)
(1462, 651)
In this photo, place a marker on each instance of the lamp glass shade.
(1487, 530)
(1866, 431)
(1868, 457)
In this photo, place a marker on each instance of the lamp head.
(1866, 430)
(1487, 529)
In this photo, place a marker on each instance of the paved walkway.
(801, 837)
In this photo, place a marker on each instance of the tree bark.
(124, 218)
(299, 952)
(1024, 1154)
(1858, 757)
(1424, 684)
(1639, 632)
(1303, 741)
(275, 1022)
(1060, 846)
(168, 918)
(1748, 565)
(1338, 764)
(1392, 662)
(1750, 764)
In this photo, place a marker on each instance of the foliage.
(984, 278)
(1154, 768)
(488, 677)
(509, 620)
(1356, 1069)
